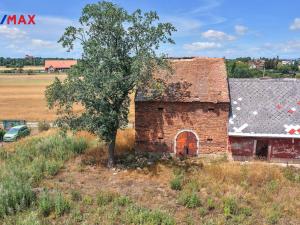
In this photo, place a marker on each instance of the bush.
(28, 164)
(76, 196)
(122, 201)
(88, 200)
(211, 204)
(292, 174)
(15, 195)
(230, 207)
(2, 132)
(176, 183)
(139, 215)
(189, 199)
(203, 211)
(104, 198)
(62, 205)
(43, 126)
(52, 167)
(273, 215)
(46, 204)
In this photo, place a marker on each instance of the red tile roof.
(60, 64)
(193, 80)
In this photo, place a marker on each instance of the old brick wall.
(158, 123)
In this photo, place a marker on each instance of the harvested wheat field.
(22, 98)
(24, 68)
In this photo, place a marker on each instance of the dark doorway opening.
(262, 149)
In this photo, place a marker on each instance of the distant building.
(287, 62)
(58, 65)
(257, 64)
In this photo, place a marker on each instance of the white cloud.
(240, 29)
(11, 32)
(38, 43)
(290, 46)
(195, 46)
(185, 26)
(295, 25)
(217, 35)
(206, 5)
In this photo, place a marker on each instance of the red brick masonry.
(158, 124)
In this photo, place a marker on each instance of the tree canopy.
(119, 56)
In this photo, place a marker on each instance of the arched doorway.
(186, 143)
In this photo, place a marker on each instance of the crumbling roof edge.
(235, 134)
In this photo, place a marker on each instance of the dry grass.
(260, 191)
(22, 97)
(24, 68)
(125, 140)
(228, 192)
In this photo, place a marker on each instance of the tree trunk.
(111, 153)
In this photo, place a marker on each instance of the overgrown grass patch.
(32, 161)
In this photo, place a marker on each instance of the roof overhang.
(233, 134)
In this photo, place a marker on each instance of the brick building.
(265, 119)
(191, 116)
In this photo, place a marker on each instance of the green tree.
(119, 56)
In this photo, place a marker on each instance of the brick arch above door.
(187, 135)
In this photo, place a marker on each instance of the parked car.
(16, 133)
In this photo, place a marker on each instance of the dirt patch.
(149, 187)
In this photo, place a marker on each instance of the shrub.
(230, 207)
(292, 174)
(30, 219)
(122, 201)
(15, 195)
(189, 199)
(52, 167)
(28, 164)
(43, 126)
(176, 183)
(104, 198)
(273, 215)
(203, 211)
(139, 215)
(88, 200)
(210, 204)
(62, 205)
(76, 196)
(45, 204)
(2, 132)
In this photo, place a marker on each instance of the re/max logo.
(18, 20)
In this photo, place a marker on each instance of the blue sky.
(214, 28)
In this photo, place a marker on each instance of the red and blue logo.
(18, 20)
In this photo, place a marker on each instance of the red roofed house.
(59, 65)
(191, 116)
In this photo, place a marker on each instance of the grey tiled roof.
(265, 106)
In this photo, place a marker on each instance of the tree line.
(272, 67)
(21, 62)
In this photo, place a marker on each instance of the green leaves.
(119, 56)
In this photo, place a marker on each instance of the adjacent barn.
(190, 117)
(264, 119)
(58, 65)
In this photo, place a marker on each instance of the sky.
(213, 28)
